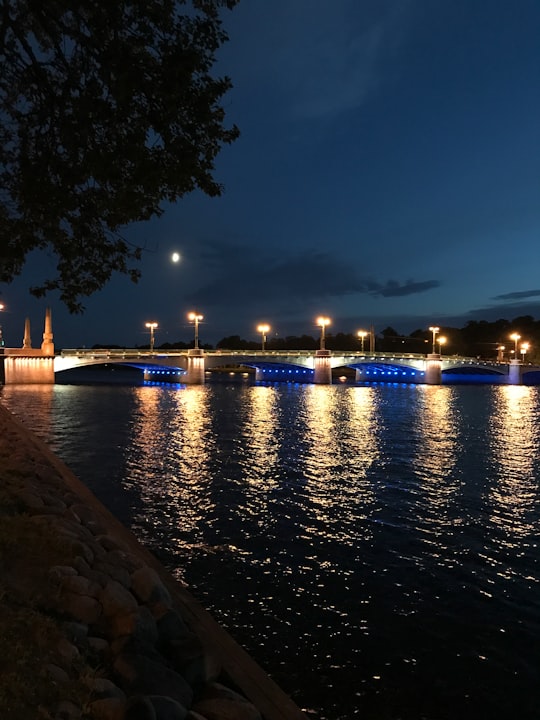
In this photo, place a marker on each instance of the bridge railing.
(140, 353)
(131, 352)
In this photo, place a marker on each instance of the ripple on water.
(375, 548)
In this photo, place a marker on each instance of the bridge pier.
(27, 365)
(514, 372)
(433, 369)
(195, 367)
(322, 368)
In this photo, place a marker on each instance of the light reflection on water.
(375, 548)
(171, 443)
(514, 441)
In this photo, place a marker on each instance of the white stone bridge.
(33, 365)
(190, 366)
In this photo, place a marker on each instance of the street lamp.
(263, 329)
(434, 330)
(195, 318)
(362, 334)
(515, 337)
(500, 353)
(152, 326)
(523, 349)
(322, 322)
(442, 341)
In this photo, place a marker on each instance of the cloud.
(490, 313)
(241, 273)
(520, 295)
(395, 289)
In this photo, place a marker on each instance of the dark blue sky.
(387, 173)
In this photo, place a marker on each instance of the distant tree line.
(477, 339)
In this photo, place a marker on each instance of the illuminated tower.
(47, 346)
(27, 340)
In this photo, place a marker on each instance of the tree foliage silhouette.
(107, 111)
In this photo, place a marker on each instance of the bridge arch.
(373, 371)
(152, 368)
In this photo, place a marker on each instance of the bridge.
(191, 366)
(29, 365)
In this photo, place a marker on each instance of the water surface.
(375, 548)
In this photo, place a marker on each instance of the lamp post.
(322, 322)
(442, 341)
(195, 318)
(362, 334)
(434, 330)
(263, 329)
(1, 334)
(515, 337)
(152, 326)
(500, 353)
(524, 349)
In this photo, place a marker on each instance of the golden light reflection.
(261, 472)
(324, 445)
(341, 428)
(193, 438)
(364, 436)
(259, 432)
(175, 443)
(515, 445)
(437, 448)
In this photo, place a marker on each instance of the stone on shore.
(103, 637)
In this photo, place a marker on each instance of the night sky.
(387, 173)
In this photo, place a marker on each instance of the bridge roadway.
(190, 366)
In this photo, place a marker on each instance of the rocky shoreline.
(92, 626)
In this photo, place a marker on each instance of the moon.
(175, 257)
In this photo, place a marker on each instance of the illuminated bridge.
(43, 365)
(191, 366)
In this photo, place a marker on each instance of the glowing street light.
(322, 322)
(442, 341)
(523, 350)
(152, 326)
(263, 329)
(362, 334)
(515, 337)
(195, 318)
(500, 353)
(434, 330)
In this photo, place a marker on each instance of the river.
(374, 548)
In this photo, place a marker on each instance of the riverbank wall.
(92, 626)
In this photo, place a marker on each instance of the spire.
(27, 340)
(47, 346)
